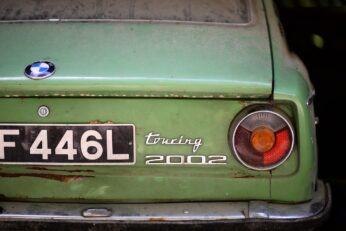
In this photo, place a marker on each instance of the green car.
(154, 112)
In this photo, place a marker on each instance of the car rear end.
(189, 117)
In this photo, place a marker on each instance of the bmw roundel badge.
(39, 70)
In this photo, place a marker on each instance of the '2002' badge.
(39, 70)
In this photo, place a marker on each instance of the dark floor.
(318, 36)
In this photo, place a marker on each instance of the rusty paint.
(61, 178)
(244, 103)
(241, 175)
(101, 122)
(60, 170)
(244, 176)
(95, 122)
(157, 219)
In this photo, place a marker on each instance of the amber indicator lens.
(262, 140)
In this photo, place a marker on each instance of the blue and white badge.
(39, 70)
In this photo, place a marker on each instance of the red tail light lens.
(262, 139)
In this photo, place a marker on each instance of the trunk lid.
(122, 59)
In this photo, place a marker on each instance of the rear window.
(217, 11)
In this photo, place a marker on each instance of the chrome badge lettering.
(185, 160)
(177, 159)
(155, 138)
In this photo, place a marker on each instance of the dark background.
(316, 31)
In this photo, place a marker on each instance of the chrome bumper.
(170, 212)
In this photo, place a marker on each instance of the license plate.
(67, 144)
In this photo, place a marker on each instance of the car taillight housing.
(261, 138)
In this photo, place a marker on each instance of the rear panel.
(203, 169)
(178, 174)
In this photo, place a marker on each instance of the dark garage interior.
(316, 31)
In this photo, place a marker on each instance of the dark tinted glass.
(220, 11)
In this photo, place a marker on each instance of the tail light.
(262, 138)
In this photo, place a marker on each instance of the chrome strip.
(216, 211)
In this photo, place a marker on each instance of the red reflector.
(280, 149)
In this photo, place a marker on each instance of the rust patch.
(61, 170)
(101, 122)
(61, 178)
(243, 103)
(244, 176)
(157, 219)
(95, 122)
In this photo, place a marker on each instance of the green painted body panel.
(292, 85)
(208, 119)
(135, 59)
(111, 72)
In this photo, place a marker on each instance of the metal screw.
(43, 111)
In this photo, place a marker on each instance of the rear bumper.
(220, 215)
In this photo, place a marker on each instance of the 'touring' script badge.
(180, 159)
(153, 138)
